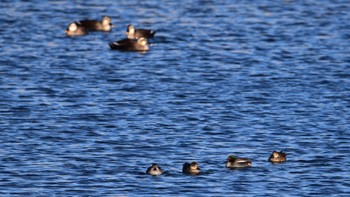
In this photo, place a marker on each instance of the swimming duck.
(236, 162)
(191, 168)
(130, 45)
(154, 170)
(95, 25)
(75, 29)
(278, 157)
(133, 33)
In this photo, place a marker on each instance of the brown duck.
(130, 45)
(133, 33)
(154, 170)
(75, 29)
(236, 162)
(278, 157)
(191, 168)
(95, 25)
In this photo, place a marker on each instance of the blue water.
(222, 77)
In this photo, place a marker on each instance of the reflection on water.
(221, 78)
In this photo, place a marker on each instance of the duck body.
(278, 157)
(95, 25)
(154, 170)
(130, 45)
(236, 162)
(191, 168)
(133, 33)
(75, 29)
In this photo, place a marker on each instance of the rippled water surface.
(222, 77)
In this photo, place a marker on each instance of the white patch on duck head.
(106, 20)
(72, 27)
(155, 167)
(275, 154)
(142, 41)
(131, 29)
(194, 166)
(106, 23)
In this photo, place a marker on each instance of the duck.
(191, 168)
(130, 45)
(75, 29)
(95, 25)
(154, 170)
(236, 162)
(133, 33)
(278, 157)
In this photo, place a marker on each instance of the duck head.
(130, 29)
(154, 170)
(154, 167)
(278, 157)
(231, 158)
(142, 41)
(106, 23)
(72, 27)
(194, 166)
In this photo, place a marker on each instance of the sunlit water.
(222, 77)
